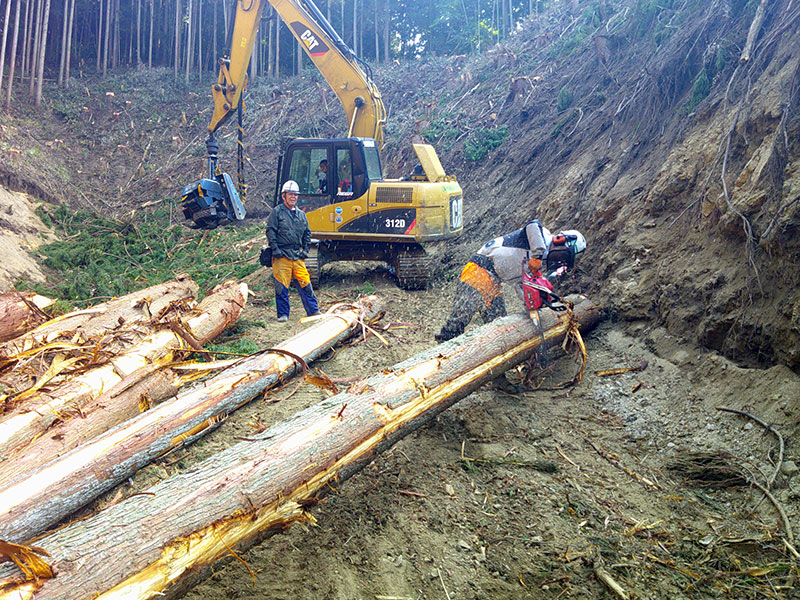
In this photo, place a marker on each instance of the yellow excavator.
(355, 213)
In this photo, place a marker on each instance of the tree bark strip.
(147, 545)
(31, 501)
(20, 312)
(99, 320)
(217, 311)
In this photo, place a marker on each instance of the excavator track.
(412, 268)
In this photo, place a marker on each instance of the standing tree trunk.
(138, 32)
(40, 78)
(13, 56)
(69, 41)
(99, 37)
(147, 545)
(5, 38)
(115, 55)
(178, 6)
(377, 37)
(214, 55)
(107, 39)
(277, 48)
(199, 35)
(37, 30)
(150, 42)
(27, 507)
(62, 63)
(356, 49)
(189, 34)
(386, 21)
(270, 50)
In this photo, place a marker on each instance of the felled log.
(150, 544)
(34, 500)
(21, 312)
(218, 310)
(126, 311)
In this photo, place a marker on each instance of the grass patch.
(242, 346)
(100, 257)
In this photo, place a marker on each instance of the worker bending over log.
(504, 259)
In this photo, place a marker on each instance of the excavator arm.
(212, 201)
(342, 70)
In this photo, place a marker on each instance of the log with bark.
(65, 400)
(94, 322)
(31, 501)
(151, 544)
(21, 312)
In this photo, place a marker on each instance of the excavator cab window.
(344, 171)
(308, 166)
(373, 160)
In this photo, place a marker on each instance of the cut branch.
(146, 546)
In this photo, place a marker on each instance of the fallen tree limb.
(145, 546)
(21, 312)
(217, 311)
(38, 499)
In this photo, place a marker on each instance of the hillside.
(636, 123)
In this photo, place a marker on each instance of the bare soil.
(522, 493)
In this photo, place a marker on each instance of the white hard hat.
(580, 241)
(290, 186)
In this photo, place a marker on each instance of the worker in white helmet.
(290, 240)
(501, 260)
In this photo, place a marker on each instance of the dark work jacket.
(288, 234)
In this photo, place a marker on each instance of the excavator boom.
(346, 75)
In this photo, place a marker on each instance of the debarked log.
(148, 545)
(144, 305)
(32, 502)
(218, 310)
(21, 312)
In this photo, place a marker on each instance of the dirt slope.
(21, 232)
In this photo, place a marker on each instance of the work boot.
(446, 334)
(283, 319)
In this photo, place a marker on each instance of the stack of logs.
(87, 405)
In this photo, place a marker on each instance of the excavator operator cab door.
(334, 177)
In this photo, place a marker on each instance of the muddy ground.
(522, 493)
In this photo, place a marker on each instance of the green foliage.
(441, 133)
(101, 257)
(483, 141)
(366, 289)
(242, 346)
(701, 89)
(721, 59)
(564, 99)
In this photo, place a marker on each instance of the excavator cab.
(329, 171)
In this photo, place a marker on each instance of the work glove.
(303, 254)
(534, 264)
